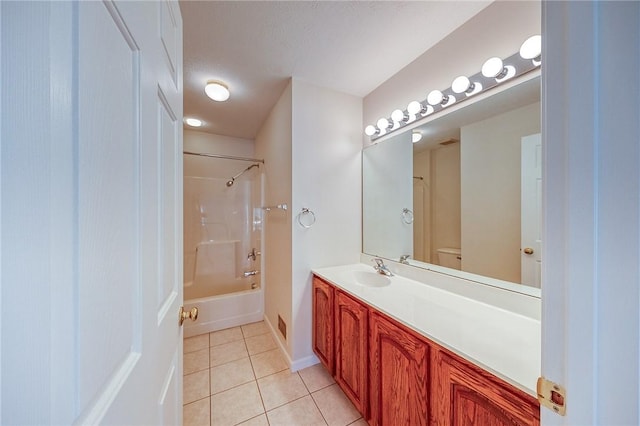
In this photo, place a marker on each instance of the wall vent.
(282, 326)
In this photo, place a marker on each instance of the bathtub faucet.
(250, 273)
(252, 254)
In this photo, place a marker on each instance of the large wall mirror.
(466, 198)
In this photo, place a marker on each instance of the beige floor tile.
(230, 375)
(359, 422)
(236, 405)
(197, 413)
(195, 343)
(260, 343)
(228, 352)
(261, 420)
(316, 377)
(255, 329)
(335, 407)
(281, 388)
(225, 336)
(269, 362)
(300, 412)
(196, 361)
(195, 386)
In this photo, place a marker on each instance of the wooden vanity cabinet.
(395, 376)
(323, 325)
(399, 373)
(465, 394)
(352, 349)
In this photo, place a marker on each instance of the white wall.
(274, 145)
(498, 30)
(326, 179)
(490, 164)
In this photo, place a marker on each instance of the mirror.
(466, 199)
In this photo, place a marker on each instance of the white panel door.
(531, 210)
(108, 216)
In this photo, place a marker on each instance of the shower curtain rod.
(226, 157)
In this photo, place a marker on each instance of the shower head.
(231, 181)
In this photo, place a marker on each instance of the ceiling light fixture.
(193, 122)
(416, 136)
(217, 90)
(494, 72)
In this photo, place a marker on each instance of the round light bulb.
(416, 136)
(193, 122)
(460, 84)
(531, 48)
(398, 116)
(435, 97)
(370, 130)
(492, 67)
(217, 91)
(414, 107)
(383, 124)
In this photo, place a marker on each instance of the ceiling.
(255, 47)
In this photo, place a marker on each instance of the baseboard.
(294, 365)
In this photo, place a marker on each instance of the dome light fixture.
(416, 136)
(217, 90)
(193, 122)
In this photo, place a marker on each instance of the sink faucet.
(404, 257)
(381, 268)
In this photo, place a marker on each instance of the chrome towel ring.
(407, 216)
(306, 218)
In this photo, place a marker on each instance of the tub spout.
(250, 273)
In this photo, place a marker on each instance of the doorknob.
(528, 250)
(183, 315)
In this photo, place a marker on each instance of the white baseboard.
(294, 365)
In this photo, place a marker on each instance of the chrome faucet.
(250, 273)
(381, 268)
(404, 257)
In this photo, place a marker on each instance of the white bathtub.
(224, 311)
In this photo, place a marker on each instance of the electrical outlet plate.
(552, 396)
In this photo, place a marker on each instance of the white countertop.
(502, 342)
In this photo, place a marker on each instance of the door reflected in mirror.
(465, 199)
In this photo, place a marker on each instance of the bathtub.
(224, 311)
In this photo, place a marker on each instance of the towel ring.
(306, 212)
(407, 216)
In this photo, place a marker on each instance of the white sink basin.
(371, 279)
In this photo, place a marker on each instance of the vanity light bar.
(494, 72)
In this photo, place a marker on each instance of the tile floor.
(237, 376)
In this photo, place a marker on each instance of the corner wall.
(327, 180)
(274, 145)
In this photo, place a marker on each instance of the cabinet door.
(399, 375)
(351, 321)
(323, 296)
(466, 395)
